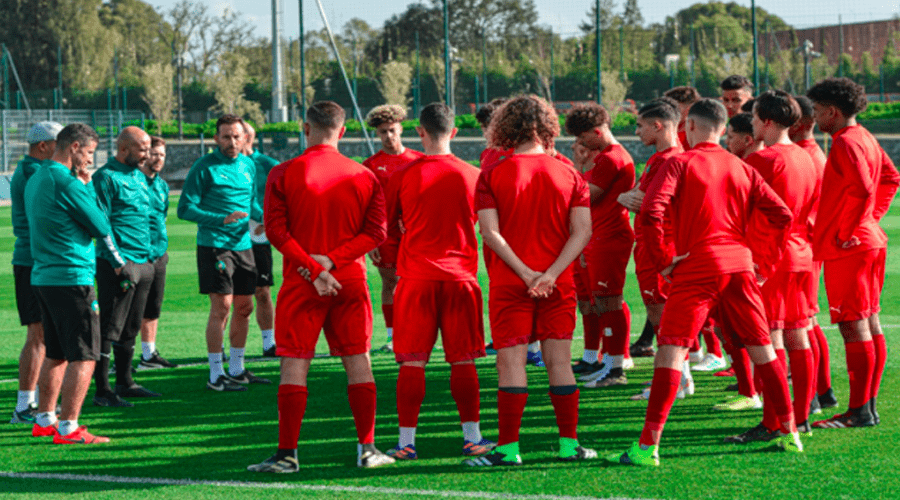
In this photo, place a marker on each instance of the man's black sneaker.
(640, 350)
(270, 352)
(225, 384)
(111, 400)
(155, 361)
(854, 417)
(828, 399)
(581, 367)
(758, 433)
(248, 378)
(135, 391)
(814, 407)
(493, 459)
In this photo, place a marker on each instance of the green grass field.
(194, 443)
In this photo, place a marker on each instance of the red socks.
(860, 366)
(592, 331)
(465, 389)
(817, 357)
(802, 372)
(823, 369)
(620, 324)
(291, 407)
(741, 364)
(713, 346)
(880, 361)
(662, 395)
(566, 408)
(510, 407)
(776, 394)
(362, 404)
(410, 393)
(388, 311)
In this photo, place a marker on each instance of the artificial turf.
(192, 433)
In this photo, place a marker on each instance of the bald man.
(123, 194)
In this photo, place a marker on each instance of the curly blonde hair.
(522, 119)
(386, 113)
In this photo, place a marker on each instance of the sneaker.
(79, 436)
(696, 356)
(536, 359)
(136, 391)
(483, 447)
(814, 407)
(373, 458)
(854, 417)
(277, 465)
(489, 350)
(225, 384)
(602, 368)
(758, 433)
(581, 367)
(581, 453)
(827, 399)
(270, 353)
(728, 372)
(246, 377)
(687, 385)
(710, 363)
(155, 361)
(645, 394)
(494, 459)
(608, 381)
(804, 429)
(641, 351)
(627, 363)
(407, 452)
(111, 400)
(25, 416)
(636, 456)
(739, 403)
(789, 442)
(874, 412)
(38, 431)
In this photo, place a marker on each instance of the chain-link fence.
(14, 125)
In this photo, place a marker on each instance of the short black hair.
(747, 107)
(778, 106)
(806, 106)
(736, 82)
(584, 117)
(664, 108)
(228, 119)
(741, 123)
(683, 95)
(709, 110)
(327, 115)
(437, 119)
(843, 93)
(76, 132)
(485, 113)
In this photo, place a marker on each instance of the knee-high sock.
(410, 394)
(662, 395)
(860, 368)
(823, 375)
(465, 389)
(777, 394)
(880, 360)
(817, 358)
(291, 407)
(565, 406)
(620, 323)
(802, 372)
(771, 417)
(510, 408)
(592, 331)
(740, 362)
(362, 404)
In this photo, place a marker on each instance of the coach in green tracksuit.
(41, 144)
(124, 196)
(63, 216)
(219, 194)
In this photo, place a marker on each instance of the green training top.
(22, 249)
(159, 210)
(264, 165)
(215, 187)
(63, 216)
(123, 195)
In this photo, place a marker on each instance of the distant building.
(871, 37)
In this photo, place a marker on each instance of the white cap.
(43, 131)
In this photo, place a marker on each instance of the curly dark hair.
(522, 119)
(736, 82)
(386, 113)
(843, 93)
(778, 106)
(586, 117)
(485, 112)
(683, 95)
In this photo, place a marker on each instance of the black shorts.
(263, 255)
(157, 288)
(71, 322)
(238, 277)
(26, 300)
(122, 311)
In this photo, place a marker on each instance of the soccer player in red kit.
(789, 170)
(612, 237)
(859, 183)
(685, 97)
(736, 91)
(802, 134)
(534, 216)
(323, 212)
(438, 289)
(709, 196)
(490, 154)
(387, 121)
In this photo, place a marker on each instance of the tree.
(217, 36)
(606, 17)
(228, 86)
(141, 44)
(394, 82)
(158, 94)
(614, 92)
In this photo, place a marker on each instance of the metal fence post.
(5, 140)
(202, 145)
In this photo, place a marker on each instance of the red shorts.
(854, 284)
(300, 314)
(691, 299)
(785, 296)
(606, 263)
(813, 293)
(654, 288)
(421, 307)
(518, 319)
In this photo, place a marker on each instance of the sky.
(562, 17)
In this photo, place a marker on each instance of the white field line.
(287, 486)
